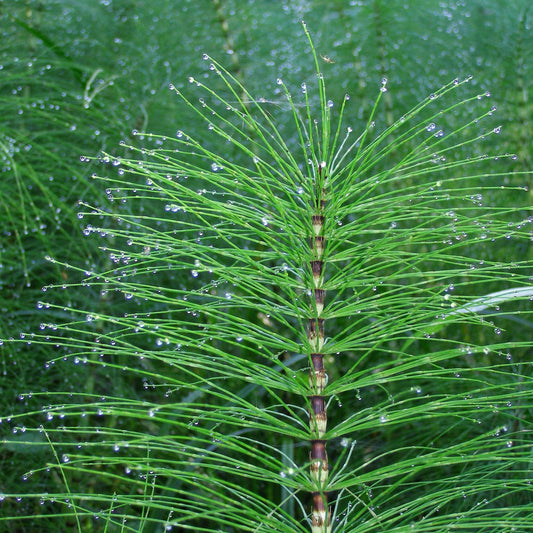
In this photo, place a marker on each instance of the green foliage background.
(78, 77)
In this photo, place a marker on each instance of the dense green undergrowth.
(161, 380)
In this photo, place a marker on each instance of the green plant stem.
(321, 514)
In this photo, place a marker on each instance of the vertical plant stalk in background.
(382, 57)
(321, 516)
(229, 44)
(522, 96)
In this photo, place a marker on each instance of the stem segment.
(319, 470)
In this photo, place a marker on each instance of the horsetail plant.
(259, 279)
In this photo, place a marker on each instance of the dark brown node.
(316, 267)
(317, 220)
(318, 361)
(316, 327)
(318, 406)
(320, 295)
(318, 451)
(319, 516)
(320, 500)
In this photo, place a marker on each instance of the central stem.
(319, 470)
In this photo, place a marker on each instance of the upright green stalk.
(522, 96)
(321, 514)
(382, 57)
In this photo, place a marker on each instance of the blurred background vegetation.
(79, 76)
